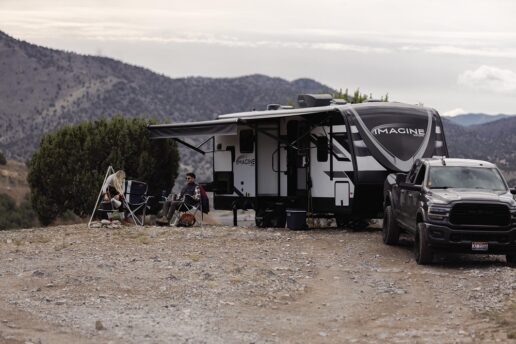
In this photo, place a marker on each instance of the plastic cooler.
(296, 219)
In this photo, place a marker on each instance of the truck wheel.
(511, 260)
(423, 253)
(390, 229)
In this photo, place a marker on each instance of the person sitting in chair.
(113, 188)
(190, 194)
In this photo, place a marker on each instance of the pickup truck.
(451, 205)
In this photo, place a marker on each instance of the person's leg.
(164, 211)
(171, 210)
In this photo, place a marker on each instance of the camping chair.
(186, 211)
(135, 197)
(135, 200)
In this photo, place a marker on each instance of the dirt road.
(222, 284)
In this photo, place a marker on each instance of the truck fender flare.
(420, 215)
(387, 199)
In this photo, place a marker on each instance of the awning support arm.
(189, 146)
(202, 144)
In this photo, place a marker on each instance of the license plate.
(479, 246)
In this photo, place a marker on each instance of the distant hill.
(475, 118)
(44, 89)
(493, 141)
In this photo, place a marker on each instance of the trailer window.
(246, 141)
(322, 148)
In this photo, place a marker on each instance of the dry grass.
(13, 180)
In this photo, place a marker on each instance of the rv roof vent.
(339, 101)
(278, 106)
(313, 100)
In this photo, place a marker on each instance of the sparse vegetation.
(357, 96)
(13, 216)
(66, 172)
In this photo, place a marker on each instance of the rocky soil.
(223, 284)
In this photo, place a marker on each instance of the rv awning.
(204, 128)
(253, 116)
(227, 124)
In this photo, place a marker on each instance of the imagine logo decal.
(397, 129)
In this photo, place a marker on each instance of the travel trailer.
(326, 157)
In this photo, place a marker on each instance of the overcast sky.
(455, 56)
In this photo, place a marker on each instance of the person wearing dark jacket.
(190, 194)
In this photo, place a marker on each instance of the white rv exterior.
(329, 160)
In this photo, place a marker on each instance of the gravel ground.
(223, 284)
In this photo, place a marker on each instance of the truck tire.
(422, 252)
(390, 229)
(511, 260)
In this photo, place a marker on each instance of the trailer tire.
(268, 217)
(390, 229)
(423, 253)
(510, 259)
(259, 218)
(358, 224)
(341, 221)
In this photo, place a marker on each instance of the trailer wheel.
(390, 229)
(259, 218)
(269, 217)
(341, 221)
(358, 224)
(423, 253)
(511, 260)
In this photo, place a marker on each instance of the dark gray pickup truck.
(454, 205)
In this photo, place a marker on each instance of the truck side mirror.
(513, 191)
(400, 178)
(411, 187)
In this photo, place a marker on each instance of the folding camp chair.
(186, 211)
(135, 199)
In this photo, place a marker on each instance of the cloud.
(473, 51)
(489, 78)
(454, 112)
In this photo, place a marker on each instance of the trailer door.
(298, 159)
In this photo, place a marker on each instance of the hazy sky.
(456, 56)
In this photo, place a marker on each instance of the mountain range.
(469, 119)
(43, 89)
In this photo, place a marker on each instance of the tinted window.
(399, 130)
(322, 148)
(246, 141)
(420, 175)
